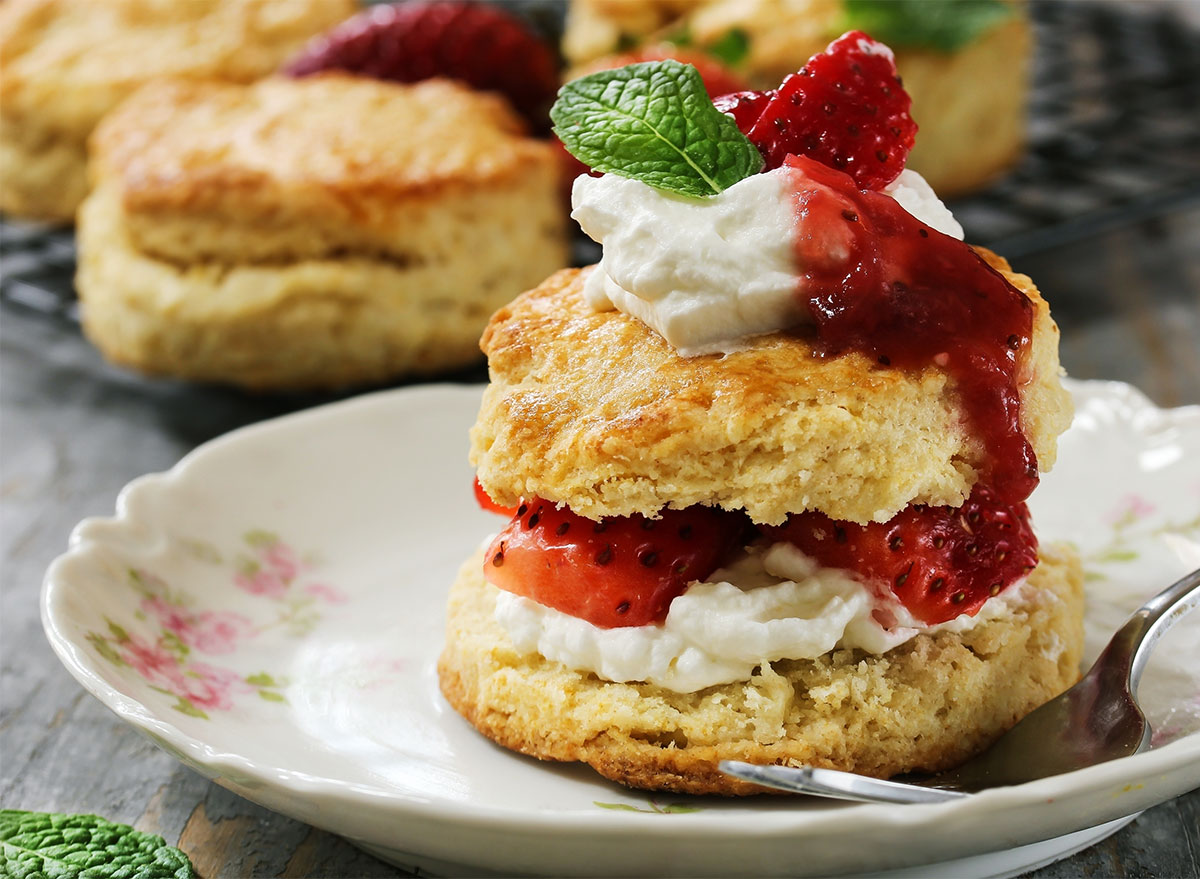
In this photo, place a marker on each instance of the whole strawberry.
(846, 108)
(938, 561)
(477, 43)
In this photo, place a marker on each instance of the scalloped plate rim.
(249, 773)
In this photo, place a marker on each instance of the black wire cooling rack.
(1114, 138)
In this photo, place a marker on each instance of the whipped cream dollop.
(772, 603)
(707, 274)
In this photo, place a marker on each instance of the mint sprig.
(654, 122)
(45, 844)
(945, 25)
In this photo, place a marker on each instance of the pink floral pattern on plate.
(1131, 519)
(171, 633)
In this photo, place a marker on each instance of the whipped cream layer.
(772, 603)
(707, 274)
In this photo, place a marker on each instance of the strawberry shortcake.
(765, 464)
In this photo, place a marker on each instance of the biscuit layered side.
(311, 233)
(68, 62)
(969, 103)
(596, 411)
(926, 705)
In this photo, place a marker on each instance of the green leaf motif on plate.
(655, 808)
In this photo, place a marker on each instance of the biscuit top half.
(596, 411)
(68, 62)
(309, 168)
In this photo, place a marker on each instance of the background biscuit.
(68, 62)
(969, 103)
(311, 233)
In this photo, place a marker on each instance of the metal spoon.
(1096, 720)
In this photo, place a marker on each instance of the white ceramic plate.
(270, 612)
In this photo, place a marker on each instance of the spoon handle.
(837, 785)
(1132, 644)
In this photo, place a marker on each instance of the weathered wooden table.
(73, 431)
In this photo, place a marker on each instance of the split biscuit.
(926, 705)
(596, 411)
(969, 103)
(68, 62)
(310, 233)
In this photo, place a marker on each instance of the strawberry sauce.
(878, 280)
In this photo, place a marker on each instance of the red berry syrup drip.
(878, 280)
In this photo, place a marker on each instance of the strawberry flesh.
(620, 571)
(906, 295)
(488, 505)
(846, 108)
(744, 107)
(482, 45)
(938, 561)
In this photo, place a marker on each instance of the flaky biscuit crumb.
(596, 411)
(925, 705)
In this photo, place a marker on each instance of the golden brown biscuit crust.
(926, 705)
(306, 233)
(312, 168)
(596, 411)
(68, 62)
(310, 323)
(970, 104)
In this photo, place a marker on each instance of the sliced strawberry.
(486, 503)
(744, 107)
(478, 43)
(621, 571)
(846, 108)
(938, 561)
(718, 79)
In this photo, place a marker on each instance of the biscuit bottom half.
(926, 705)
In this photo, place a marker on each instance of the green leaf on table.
(271, 696)
(945, 25)
(44, 845)
(654, 122)
(261, 679)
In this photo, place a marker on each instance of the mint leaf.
(945, 25)
(654, 122)
(42, 845)
(732, 48)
